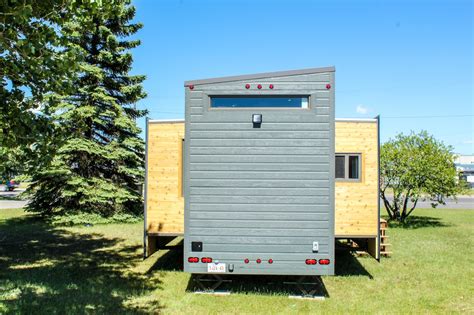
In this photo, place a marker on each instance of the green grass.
(46, 270)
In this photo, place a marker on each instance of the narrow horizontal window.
(280, 101)
(348, 167)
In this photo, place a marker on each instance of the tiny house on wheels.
(260, 178)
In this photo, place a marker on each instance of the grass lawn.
(99, 269)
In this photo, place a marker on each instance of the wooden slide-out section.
(356, 202)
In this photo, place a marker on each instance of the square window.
(348, 167)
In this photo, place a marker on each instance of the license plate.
(216, 267)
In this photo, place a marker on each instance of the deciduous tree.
(415, 167)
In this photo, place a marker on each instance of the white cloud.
(362, 109)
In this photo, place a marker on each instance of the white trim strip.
(177, 120)
(357, 119)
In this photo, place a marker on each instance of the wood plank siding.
(164, 197)
(356, 202)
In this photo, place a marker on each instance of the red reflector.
(246, 260)
(259, 86)
(311, 261)
(324, 261)
(191, 86)
(328, 86)
(271, 86)
(206, 259)
(193, 259)
(259, 261)
(247, 86)
(270, 261)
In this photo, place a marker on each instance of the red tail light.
(193, 259)
(311, 261)
(206, 259)
(259, 86)
(270, 261)
(259, 261)
(246, 260)
(324, 261)
(247, 86)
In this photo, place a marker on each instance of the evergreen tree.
(98, 154)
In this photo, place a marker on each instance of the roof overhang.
(261, 75)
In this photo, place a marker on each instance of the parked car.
(11, 185)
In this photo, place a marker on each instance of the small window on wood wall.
(348, 166)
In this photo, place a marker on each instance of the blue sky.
(409, 61)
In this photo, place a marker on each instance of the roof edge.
(368, 120)
(261, 75)
(177, 120)
(162, 121)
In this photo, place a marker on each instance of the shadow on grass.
(347, 265)
(416, 222)
(262, 285)
(44, 270)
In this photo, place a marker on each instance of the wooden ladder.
(384, 245)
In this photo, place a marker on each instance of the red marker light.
(324, 261)
(246, 260)
(259, 261)
(328, 86)
(270, 261)
(271, 86)
(191, 86)
(247, 86)
(259, 86)
(193, 259)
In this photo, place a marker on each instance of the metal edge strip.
(145, 192)
(261, 75)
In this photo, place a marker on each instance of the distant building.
(465, 166)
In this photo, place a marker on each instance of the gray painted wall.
(261, 192)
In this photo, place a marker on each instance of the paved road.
(9, 204)
(463, 202)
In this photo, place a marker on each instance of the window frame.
(346, 167)
(210, 96)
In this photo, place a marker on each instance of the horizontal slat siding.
(257, 215)
(282, 150)
(242, 208)
(256, 240)
(259, 183)
(259, 190)
(263, 134)
(263, 175)
(233, 158)
(261, 249)
(245, 126)
(259, 143)
(287, 200)
(257, 167)
(252, 191)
